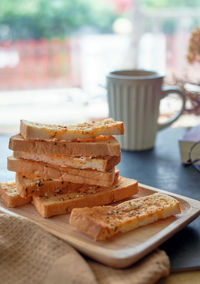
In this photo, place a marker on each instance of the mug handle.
(166, 91)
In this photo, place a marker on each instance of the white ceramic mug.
(134, 98)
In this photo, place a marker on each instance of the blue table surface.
(160, 168)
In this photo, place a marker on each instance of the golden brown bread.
(63, 203)
(102, 164)
(94, 148)
(33, 130)
(10, 196)
(31, 185)
(103, 222)
(40, 169)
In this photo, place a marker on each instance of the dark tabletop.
(161, 168)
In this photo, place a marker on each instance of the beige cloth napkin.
(30, 255)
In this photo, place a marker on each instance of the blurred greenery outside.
(168, 26)
(35, 19)
(25, 19)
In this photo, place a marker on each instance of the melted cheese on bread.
(33, 130)
(104, 222)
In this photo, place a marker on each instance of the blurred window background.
(55, 54)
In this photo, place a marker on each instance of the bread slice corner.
(10, 196)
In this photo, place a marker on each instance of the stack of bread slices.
(59, 168)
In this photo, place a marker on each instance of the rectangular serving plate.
(124, 249)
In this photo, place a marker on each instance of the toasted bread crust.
(64, 203)
(10, 196)
(104, 222)
(108, 147)
(102, 164)
(31, 185)
(40, 186)
(67, 174)
(32, 130)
